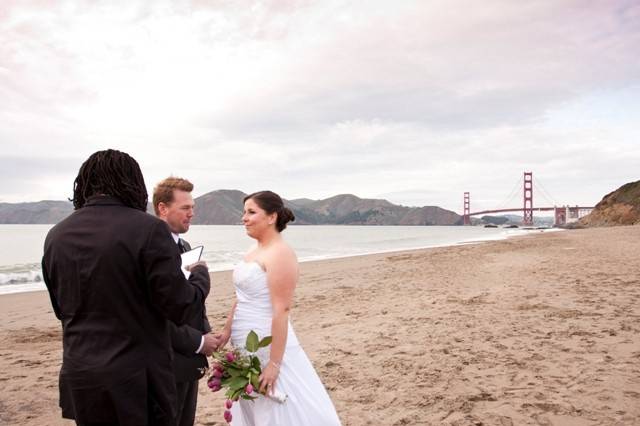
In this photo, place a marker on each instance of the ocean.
(224, 245)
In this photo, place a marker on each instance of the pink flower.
(249, 389)
(228, 416)
(214, 384)
(231, 357)
(217, 373)
(228, 404)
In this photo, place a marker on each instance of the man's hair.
(163, 192)
(113, 173)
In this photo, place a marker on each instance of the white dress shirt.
(176, 238)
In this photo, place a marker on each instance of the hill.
(620, 207)
(40, 212)
(221, 207)
(344, 209)
(224, 207)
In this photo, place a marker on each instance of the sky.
(412, 101)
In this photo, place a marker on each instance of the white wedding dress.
(308, 403)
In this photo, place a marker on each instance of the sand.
(535, 330)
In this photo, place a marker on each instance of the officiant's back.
(113, 276)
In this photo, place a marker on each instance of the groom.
(173, 203)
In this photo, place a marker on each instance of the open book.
(189, 258)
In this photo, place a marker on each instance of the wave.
(23, 277)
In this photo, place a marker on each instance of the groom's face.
(179, 212)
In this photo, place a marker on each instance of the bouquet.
(238, 371)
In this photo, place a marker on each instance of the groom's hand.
(210, 345)
(223, 337)
(194, 265)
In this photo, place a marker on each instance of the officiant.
(113, 276)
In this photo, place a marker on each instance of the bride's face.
(255, 219)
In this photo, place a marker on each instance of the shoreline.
(29, 286)
(520, 331)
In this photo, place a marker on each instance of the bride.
(264, 282)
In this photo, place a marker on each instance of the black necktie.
(181, 246)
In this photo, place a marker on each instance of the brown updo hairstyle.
(271, 203)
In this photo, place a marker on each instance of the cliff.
(620, 207)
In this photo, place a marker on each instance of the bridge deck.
(535, 209)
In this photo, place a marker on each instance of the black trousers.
(187, 401)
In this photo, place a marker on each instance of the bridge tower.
(528, 199)
(466, 218)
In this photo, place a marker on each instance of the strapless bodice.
(253, 309)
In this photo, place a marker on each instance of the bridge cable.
(546, 193)
(511, 196)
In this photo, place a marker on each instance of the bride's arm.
(282, 275)
(226, 330)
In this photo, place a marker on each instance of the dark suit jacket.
(185, 340)
(114, 279)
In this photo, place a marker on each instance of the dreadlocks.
(114, 173)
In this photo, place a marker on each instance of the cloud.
(22, 176)
(417, 101)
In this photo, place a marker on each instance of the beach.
(542, 329)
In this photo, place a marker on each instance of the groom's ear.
(162, 209)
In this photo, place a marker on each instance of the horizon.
(415, 103)
(512, 210)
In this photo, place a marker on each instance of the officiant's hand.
(194, 265)
(211, 344)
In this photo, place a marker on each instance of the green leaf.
(234, 395)
(234, 371)
(266, 341)
(228, 393)
(248, 397)
(252, 341)
(238, 383)
(255, 382)
(255, 363)
(237, 373)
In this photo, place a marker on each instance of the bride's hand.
(268, 378)
(223, 337)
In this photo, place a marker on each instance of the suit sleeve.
(170, 292)
(184, 338)
(52, 296)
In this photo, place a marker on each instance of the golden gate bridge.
(562, 214)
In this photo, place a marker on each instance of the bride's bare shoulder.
(282, 252)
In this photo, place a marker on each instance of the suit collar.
(103, 200)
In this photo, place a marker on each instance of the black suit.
(187, 365)
(112, 274)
